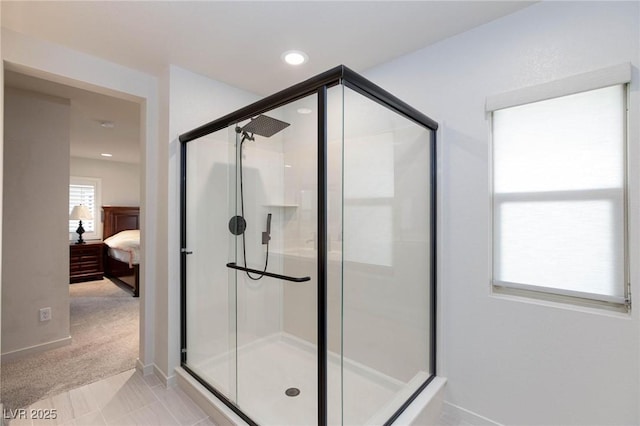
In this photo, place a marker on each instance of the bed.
(120, 251)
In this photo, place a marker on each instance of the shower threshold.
(270, 366)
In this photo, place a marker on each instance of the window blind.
(85, 195)
(559, 195)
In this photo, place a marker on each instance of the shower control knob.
(237, 225)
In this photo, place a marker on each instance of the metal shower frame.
(316, 85)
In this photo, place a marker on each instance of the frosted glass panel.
(559, 193)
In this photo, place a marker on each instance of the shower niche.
(308, 254)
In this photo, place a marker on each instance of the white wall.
(517, 361)
(120, 181)
(36, 198)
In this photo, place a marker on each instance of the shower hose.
(244, 245)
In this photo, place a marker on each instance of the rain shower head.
(264, 126)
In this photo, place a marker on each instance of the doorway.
(36, 183)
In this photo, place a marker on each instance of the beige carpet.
(104, 332)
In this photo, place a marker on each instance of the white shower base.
(266, 368)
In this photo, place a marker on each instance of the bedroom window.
(559, 203)
(85, 191)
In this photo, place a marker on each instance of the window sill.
(577, 304)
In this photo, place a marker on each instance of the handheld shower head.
(266, 236)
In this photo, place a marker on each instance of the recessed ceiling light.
(107, 124)
(104, 154)
(304, 110)
(288, 166)
(295, 57)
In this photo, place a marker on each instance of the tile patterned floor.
(127, 399)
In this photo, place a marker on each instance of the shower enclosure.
(308, 254)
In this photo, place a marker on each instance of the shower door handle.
(233, 265)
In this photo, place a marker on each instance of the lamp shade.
(80, 212)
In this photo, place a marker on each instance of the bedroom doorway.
(99, 309)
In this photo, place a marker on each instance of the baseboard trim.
(43, 347)
(145, 370)
(459, 414)
(164, 379)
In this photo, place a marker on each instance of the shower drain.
(292, 392)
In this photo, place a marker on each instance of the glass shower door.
(210, 296)
(273, 264)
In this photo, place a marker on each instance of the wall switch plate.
(45, 314)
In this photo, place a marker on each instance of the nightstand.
(85, 261)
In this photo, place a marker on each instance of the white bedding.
(125, 246)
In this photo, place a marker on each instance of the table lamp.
(80, 212)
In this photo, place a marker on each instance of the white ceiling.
(88, 110)
(236, 42)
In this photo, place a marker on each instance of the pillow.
(124, 239)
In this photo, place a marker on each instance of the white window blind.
(85, 191)
(559, 195)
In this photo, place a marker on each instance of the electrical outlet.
(45, 314)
